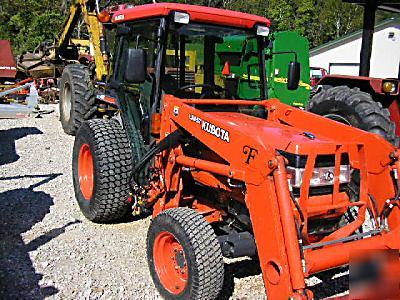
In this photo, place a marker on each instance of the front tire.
(356, 108)
(102, 162)
(184, 255)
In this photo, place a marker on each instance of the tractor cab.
(180, 53)
(172, 49)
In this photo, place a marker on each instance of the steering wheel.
(214, 87)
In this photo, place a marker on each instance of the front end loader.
(224, 176)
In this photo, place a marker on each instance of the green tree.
(337, 19)
(28, 23)
(281, 13)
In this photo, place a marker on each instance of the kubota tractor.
(224, 175)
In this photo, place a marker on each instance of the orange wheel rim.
(170, 263)
(85, 171)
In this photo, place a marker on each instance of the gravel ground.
(47, 247)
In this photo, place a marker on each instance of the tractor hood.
(269, 134)
(243, 135)
(233, 135)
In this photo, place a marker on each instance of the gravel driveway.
(47, 247)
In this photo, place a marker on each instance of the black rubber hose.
(375, 204)
(299, 210)
(387, 209)
(171, 141)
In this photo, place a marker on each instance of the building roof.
(197, 14)
(353, 36)
(388, 5)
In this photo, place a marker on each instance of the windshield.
(208, 61)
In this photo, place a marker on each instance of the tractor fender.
(370, 85)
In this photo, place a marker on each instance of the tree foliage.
(28, 23)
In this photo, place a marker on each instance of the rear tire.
(101, 166)
(184, 255)
(355, 108)
(76, 97)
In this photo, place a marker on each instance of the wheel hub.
(170, 263)
(180, 259)
(66, 103)
(86, 171)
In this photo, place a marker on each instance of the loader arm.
(73, 17)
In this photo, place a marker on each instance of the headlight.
(262, 30)
(181, 17)
(389, 87)
(320, 177)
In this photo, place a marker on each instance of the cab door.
(135, 100)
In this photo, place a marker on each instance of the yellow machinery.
(79, 75)
(90, 12)
(48, 60)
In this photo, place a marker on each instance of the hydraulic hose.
(171, 141)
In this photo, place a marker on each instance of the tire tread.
(113, 153)
(207, 251)
(376, 119)
(83, 96)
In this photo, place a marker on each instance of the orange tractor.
(224, 176)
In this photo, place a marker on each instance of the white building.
(342, 56)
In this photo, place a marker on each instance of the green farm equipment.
(356, 101)
(238, 56)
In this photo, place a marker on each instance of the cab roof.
(197, 13)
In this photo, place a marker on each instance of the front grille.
(321, 190)
(321, 161)
(299, 161)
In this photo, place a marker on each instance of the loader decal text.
(211, 128)
(250, 153)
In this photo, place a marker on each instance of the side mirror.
(293, 75)
(135, 67)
